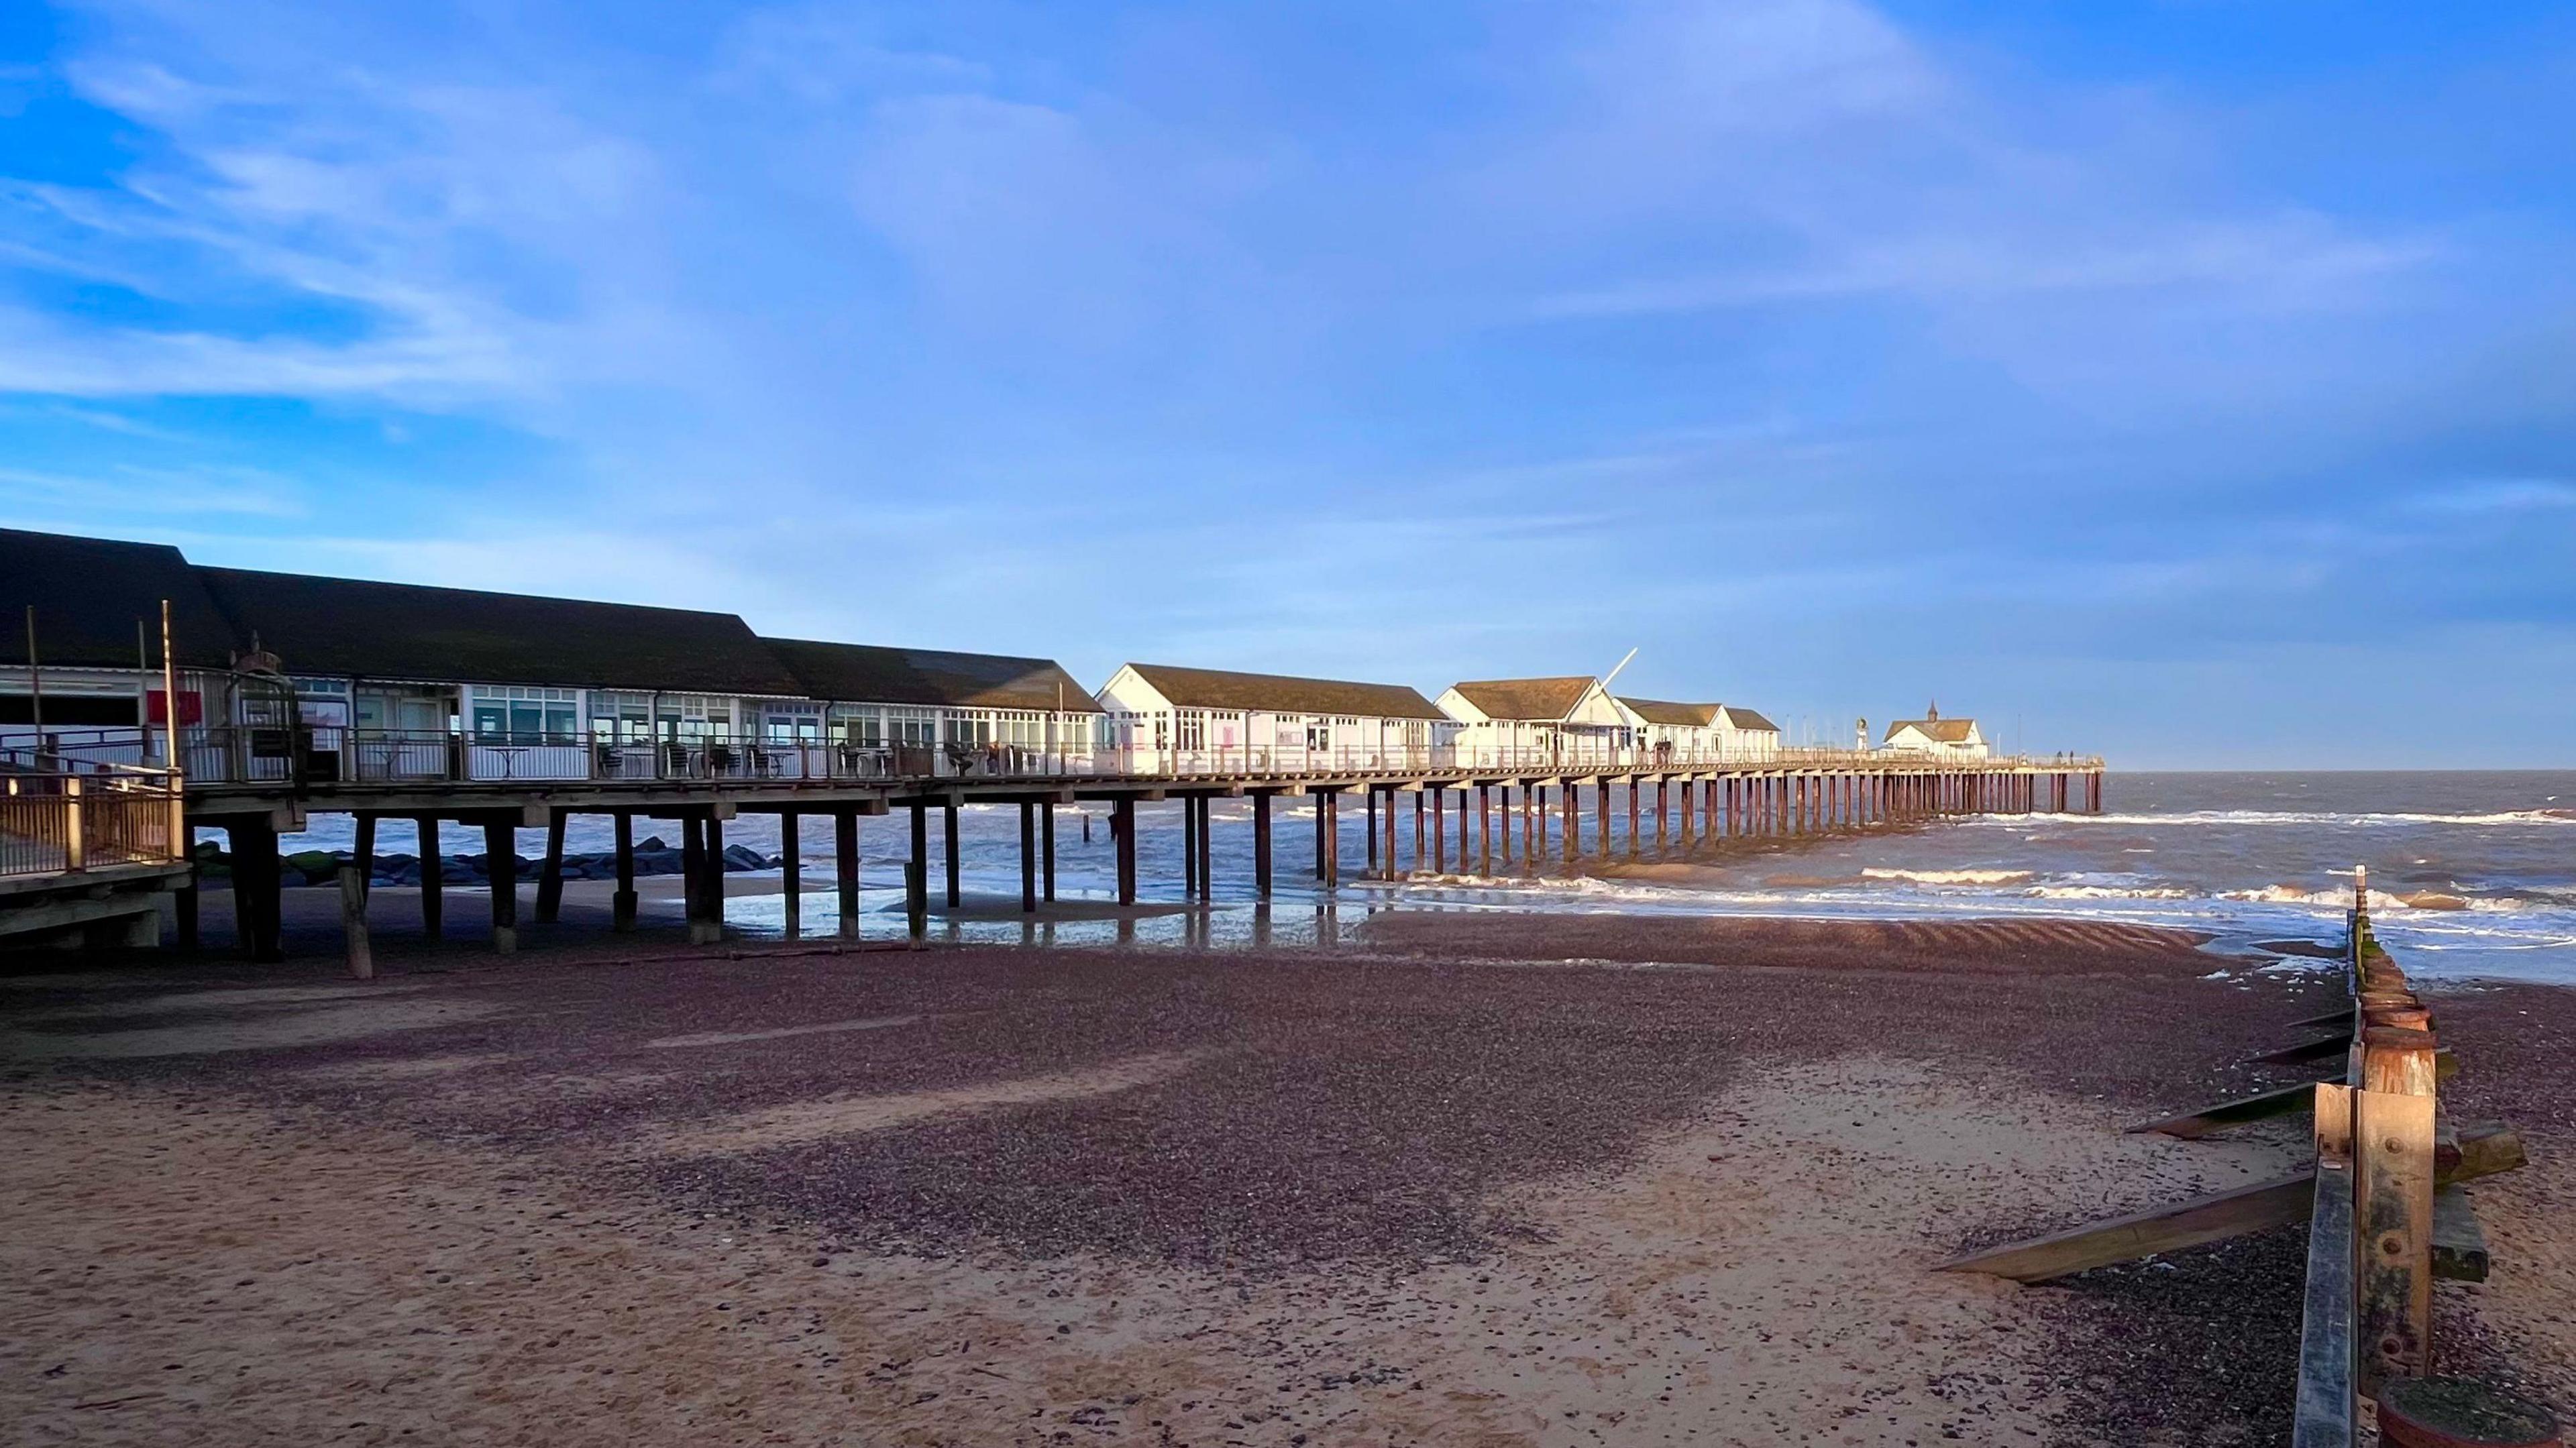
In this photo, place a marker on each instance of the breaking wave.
(1950, 877)
(2329, 819)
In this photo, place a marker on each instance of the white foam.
(1949, 877)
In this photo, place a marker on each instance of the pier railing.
(59, 816)
(328, 754)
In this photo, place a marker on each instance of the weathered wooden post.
(1419, 853)
(845, 868)
(916, 874)
(353, 921)
(1376, 868)
(791, 876)
(1207, 851)
(433, 879)
(715, 898)
(1261, 842)
(1189, 848)
(364, 853)
(1633, 786)
(2393, 1129)
(1328, 825)
(1028, 857)
(501, 868)
(1484, 830)
(948, 822)
(550, 875)
(1046, 850)
(1439, 831)
(1122, 830)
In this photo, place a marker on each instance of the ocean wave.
(1950, 877)
(2340, 819)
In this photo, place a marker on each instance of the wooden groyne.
(2386, 1212)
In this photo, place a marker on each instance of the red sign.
(192, 706)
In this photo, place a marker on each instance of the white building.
(1932, 734)
(1168, 720)
(932, 711)
(1564, 722)
(1743, 734)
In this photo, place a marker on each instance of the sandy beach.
(1467, 1179)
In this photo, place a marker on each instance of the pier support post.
(1028, 857)
(621, 904)
(845, 869)
(363, 854)
(1390, 835)
(1420, 854)
(1046, 850)
(183, 901)
(550, 874)
(1439, 831)
(1328, 832)
(257, 908)
(1484, 829)
(1376, 870)
(948, 821)
(433, 879)
(1189, 848)
(791, 875)
(715, 877)
(1122, 829)
(1207, 850)
(501, 868)
(1261, 843)
(916, 872)
(693, 872)
(1573, 802)
(1664, 806)
(353, 921)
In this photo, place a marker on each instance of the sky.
(2193, 383)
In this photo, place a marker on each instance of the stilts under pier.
(1695, 805)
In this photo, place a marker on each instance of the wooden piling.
(433, 880)
(845, 868)
(2393, 1133)
(1189, 848)
(501, 868)
(1261, 843)
(948, 822)
(1028, 857)
(1122, 830)
(1368, 806)
(183, 901)
(353, 921)
(550, 874)
(715, 916)
(1046, 850)
(364, 853)
(791, 876)
(1207, 848)
(1484, 829)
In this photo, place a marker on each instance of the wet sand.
(1481, 1179)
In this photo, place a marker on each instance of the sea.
(2470, 874)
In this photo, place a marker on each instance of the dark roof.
(457, 635)
(1526, 698)
(87, 593)
(1939, 731)
(1282, 694)
(1658, 711)
(873, 674)
(1743, 718)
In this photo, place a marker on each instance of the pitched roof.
(1283, 694)
(1658, 711)
(1526, 698)
(1939, 731)
(88, 593)
(407, 631)
(875, 674)
(1739, 717)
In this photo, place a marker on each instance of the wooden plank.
(2325, 1411)
(2459, 1243)
(2261, 1106)
(2393, 1206)
(2316, 1050)
(2144, 1234)
(2486, 1148)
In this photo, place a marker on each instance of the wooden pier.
(1799, 793)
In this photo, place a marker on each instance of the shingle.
(876, 674)
(1283, 694)
(455, 635)
(1545, 699)
(89, 592)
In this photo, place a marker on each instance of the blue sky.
(2195, 382)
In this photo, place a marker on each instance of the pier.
(1478, 815)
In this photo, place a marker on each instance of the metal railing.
(320, 754)
(61, 815)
